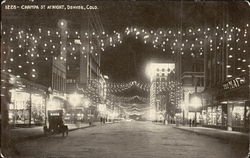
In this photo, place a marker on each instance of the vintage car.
(56, 125)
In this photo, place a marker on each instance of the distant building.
(158, 73)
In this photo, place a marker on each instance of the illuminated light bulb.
(239, 59)
(11, 59)
(62, 23)
(208, 29)
(245, 41)
(66, 32)
(244, 60)
(33, 75)
(20, 46)
(228, 66)
(169, 31)
(243, 70)
(231, 48)
(25, 73)
(244, 51)
(238, 68)
(45, 44)
(73, 48)
(53, 46)
(230, 56)
(46, 58)
(9, 70)
(33, 70)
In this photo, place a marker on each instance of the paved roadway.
(128, 140)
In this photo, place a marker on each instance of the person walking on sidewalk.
(101, 119)
(190, 122)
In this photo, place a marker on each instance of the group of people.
(103, 119)
(191, 123)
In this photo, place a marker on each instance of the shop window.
(238, 116)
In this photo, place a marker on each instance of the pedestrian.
(101, 119)
(193, 123)
(190, 122)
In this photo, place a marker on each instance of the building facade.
(158, 73)
(227, 82)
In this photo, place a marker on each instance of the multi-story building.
(192, 79)
(158, 73)
(227, 80)
(37, 67)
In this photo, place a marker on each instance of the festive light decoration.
(24, 48)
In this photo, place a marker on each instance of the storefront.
(230, 109)
(26, 108)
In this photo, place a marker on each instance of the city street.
(129, 139)
(125, 79)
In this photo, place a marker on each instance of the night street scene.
(125, 79)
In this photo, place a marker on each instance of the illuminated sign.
(235, 83)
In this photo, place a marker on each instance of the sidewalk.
(22, 134)
(230, 136)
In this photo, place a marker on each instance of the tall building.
(227, 80)
(192, 79)
(37, 67)
(158, 73)
(83, 64)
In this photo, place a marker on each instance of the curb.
(236, 139)
(19, 140)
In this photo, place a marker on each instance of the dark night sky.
(127, 61)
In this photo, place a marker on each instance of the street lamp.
(75, 99)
